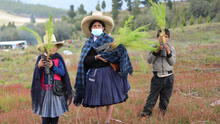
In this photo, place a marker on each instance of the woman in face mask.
(98, 82)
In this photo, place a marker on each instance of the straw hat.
(108, 21)
(53, 41)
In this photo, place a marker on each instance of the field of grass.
(197, 83)
(5, 18)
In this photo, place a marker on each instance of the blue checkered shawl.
(89, 44)
(119, 55)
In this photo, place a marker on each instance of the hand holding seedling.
(115, 66)
(163, 39)
(100, 58)
(167, 48)
(41, 63)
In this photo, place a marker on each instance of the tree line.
(179, 13)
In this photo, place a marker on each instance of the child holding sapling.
(162, 61)
(48, 100)
(163, 79)
(51, 89)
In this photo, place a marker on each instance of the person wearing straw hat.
(51, 91)
(98, 81)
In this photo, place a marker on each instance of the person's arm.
(152, 57)
(40, 62)
(171, 57)
(59, 70)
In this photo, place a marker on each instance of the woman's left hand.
(115, 66)
(69, 100)
(100, 58)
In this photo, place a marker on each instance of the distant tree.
(170, 4)
(71, 12)
(81, 10)
(191, 20)
(183, 19)
(32, 19)
(98, 8)
(199, 8)
(136, 8)
(9, 34)
(103, 5)
(146, 2)
(214, 8)
(3, 27)
(208, 19)
(64, 18)
(116, 6)
(11, 25)
(200, 20)
(129, 5)
(62, 30)
(120, 4)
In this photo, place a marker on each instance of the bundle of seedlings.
(136, 39)
(158, 10)
(46, 45)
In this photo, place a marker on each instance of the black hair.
(102, 23)
(167, 32)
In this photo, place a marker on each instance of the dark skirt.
(105, 87)
(52, 105)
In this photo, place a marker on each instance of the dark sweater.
(91, 62)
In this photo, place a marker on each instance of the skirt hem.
(94, 106)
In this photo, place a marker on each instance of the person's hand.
(115, 66)
(161, 46)
(100, 58)
(41, 63)
(69, 100)
(167, 48)
(50, 63)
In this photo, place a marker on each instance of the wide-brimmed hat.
(58, 44)
(108, 21)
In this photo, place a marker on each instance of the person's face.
(163, 37)
(166, 38)
(54, 49)
(97, 25)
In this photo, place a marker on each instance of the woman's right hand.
(41, 63)
(100, 58)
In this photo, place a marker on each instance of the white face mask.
(97, 32)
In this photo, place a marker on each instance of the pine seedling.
(135, 39)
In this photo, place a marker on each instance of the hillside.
(22, 9)
(5, 18)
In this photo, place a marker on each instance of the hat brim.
(57, 44)
(108, 21)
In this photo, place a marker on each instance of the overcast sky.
(65, 4)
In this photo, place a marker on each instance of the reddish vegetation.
(195, 88)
